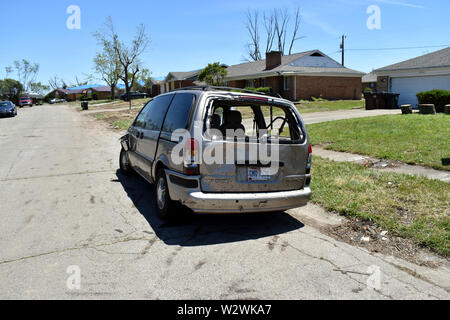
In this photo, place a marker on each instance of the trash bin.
(84, 105)
(391, 100)
(381, 100)
(371, 100)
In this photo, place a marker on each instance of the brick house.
(74, 94)
(69, 95)
(298, 76)
(176, 80)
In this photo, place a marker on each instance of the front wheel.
(124, 162)
(163, 202)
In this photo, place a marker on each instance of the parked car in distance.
(133, 95)
(56, 100)
(25, 101)
(7, 108)
(236, 187)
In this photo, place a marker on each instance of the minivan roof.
(198, 90)
(229, 89)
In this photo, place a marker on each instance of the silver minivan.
(217, 150)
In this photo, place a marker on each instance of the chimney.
(273, 59)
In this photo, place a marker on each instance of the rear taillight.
(191, 165)
(308, 165)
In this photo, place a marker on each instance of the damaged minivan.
(218, 150)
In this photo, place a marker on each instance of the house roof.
(103, 89)
(370, 77)
(259, 67)
(177, 76)
(69, 91)
(440, 58)
(87, 86)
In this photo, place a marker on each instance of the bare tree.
(252, 27)
(281, 24)
(26, 72)
(127, 55)
(8, 70)
(277, 30)
(296, 28)
(56, 83)
(269, 25)
(79, 83)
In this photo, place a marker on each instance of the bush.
(95, 96)
(260, 89)
(439, 98)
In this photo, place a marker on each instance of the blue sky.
(187, 35)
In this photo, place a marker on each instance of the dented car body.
(217, 151)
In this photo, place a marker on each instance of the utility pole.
(343, 49)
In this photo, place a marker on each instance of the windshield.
(4, 104)
(24, 99)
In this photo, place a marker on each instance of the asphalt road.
(63, 204)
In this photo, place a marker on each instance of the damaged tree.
(276, 27)
(128, 56)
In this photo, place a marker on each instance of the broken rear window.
(254, 120)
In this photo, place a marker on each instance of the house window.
(250, 83)
(287, 83)
(263, 82)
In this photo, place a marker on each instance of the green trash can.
(84, 105)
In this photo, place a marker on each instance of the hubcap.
(161, 193)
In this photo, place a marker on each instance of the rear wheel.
(124, 162)
(164, 204)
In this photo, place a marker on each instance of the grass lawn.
(408, 206)
(324, 105)
(306, 106)
(414, 139)
(120, 119)
(108, 104)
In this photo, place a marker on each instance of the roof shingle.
(436, 59)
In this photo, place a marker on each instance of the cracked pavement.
(62, 203)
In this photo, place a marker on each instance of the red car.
(25, 101)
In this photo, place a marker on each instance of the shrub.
(95, 96)
(439, 98)
(319, 99)
(260, 89)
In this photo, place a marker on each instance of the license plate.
(259, 174)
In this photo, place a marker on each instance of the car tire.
(164, 204)
(124, 163)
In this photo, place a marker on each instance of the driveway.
(65, 208)
(317, 117)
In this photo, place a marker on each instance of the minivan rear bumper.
(201, 202)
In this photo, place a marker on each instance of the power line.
(401, 48)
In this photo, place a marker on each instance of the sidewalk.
(317, 117)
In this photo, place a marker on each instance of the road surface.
(67, 212)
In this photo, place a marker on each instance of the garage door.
(409, 87)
